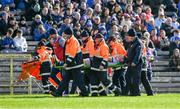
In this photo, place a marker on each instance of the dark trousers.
(46, 84)
(101, 76)
(119, 79)
(77, 78)
(149, 74)
(133, 77)
(45, 71)
(86, 78)
(146, 83)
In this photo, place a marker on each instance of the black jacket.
(134, 54)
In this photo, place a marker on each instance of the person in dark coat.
(134, 61)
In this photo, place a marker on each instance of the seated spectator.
(20, 42)
(170, 6)
(9, 3)
(174, 42)
(3, 23)
(150, 24)
(174, 62)
(21, 4)
(7, 42)
(167, 27)
(155, 39)
(37, 21)
(77, 31)
(159, 20)
(23, 26)
(148, 13)
(164, 43)
(175, 24)
(126, 21)
(40, 33)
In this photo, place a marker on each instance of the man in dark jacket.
(134, 61)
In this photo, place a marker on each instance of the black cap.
(132, 33)
(52, 31)
(84, 34)
(99, 35)
(68, 31)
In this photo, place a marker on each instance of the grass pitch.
(159, 101)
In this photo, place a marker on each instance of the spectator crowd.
(157, 20)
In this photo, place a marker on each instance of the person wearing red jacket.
(73, 64)
(99, 67)
(57, 42)
(117, 54)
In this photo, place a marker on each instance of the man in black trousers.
(134, 61)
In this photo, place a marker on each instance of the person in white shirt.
(159, 20)
(20, 42)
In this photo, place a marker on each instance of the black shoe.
(94, 94)
(84, 95)
(54, 94)
(103, 93)
(117, 92)
(150, 94)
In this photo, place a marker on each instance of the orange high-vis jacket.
(88, 49)
(73, 54)
(44, 53)
(118, 49)
(101, 55)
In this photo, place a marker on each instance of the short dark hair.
(10, 31)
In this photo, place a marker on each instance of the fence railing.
(11, 84)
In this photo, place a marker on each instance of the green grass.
(159, 101)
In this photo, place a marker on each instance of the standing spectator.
(134, 61)
(174, 62)
(20, 42)
(164, 43)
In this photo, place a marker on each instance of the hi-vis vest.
(73, 54)
(44, 54)
(101, 55)
(88, 49)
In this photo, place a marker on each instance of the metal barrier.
(12, 57)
